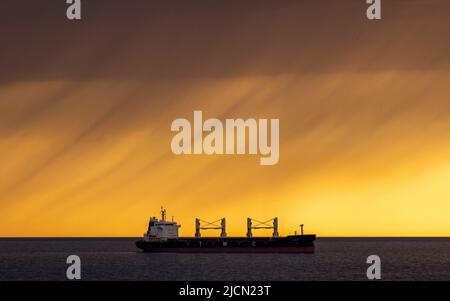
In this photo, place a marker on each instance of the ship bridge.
(161, 229)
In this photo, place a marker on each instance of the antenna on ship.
(163, 214)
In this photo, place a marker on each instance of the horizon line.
(93, 237)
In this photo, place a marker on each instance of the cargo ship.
(162, 237)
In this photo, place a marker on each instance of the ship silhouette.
(162, 237)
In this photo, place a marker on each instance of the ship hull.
(289, 244)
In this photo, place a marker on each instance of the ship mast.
(163, 214)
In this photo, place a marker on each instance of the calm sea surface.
(118, 259)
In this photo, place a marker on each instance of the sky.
(86, 108)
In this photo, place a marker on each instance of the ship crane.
(210, 226)
(262, 225)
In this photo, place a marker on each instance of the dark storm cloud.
(153, 39)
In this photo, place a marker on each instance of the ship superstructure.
(160, 230)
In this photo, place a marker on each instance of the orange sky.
(364, 109)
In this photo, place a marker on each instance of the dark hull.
(289, 244)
